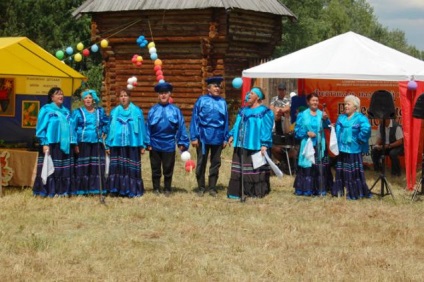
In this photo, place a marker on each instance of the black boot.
(156, 185)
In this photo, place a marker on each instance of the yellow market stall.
(27, 72)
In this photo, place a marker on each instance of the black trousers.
(159, 160)
(215, 164)
(393, 153)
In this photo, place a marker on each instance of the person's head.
(55, 95)
(164, 90)
(282, 90)
(351, 104)
(90, 98)
(256, 95)
(313, 101)
(124, 97)
(214, 85)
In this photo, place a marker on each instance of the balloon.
(139, 58)
(60, 54)
(94, 48)
(69, 50)
(159, 77)
(138, 64)
(150, 45)
(152, 50)
(80, 46)
(86, 52)
(162, 81)
(237, 82)
(78, 57)
(157, 67)
(190, 165)
(159, 72)
(153, 56)
(185, 156)
(412, 85)
(130, 86)
(104, 43)
(171, 101)
(158, 62)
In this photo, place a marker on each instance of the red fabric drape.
(247, 83)
(411, 129)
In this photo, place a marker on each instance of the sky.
(405, 15)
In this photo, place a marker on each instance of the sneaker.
(212, 192)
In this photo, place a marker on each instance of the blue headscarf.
(93, 94)
(258, 92)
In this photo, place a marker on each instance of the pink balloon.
(190, 165)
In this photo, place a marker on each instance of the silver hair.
(354, 100)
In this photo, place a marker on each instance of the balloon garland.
(81, 51)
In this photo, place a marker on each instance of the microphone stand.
(101, 196)
(241, 142)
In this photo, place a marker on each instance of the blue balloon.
(69, 51)
(153, 56)
(237, 82)
(94, 48)
(161, 80)
(145, 42)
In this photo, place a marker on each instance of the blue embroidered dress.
(251, 131)
(127, 135)
(352, 135)
(90, 129)
(55, 128)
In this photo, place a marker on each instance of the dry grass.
(187, 238)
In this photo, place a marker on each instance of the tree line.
(50, 24)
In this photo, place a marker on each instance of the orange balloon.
(158, 62)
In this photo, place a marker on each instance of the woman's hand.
(311, 134)
(230, 141)
(263, 150)
(46, 149)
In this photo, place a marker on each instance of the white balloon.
(152, 50)
(185, 156)
(130, 86)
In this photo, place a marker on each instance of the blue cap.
(93, 94)
(214, 80)
(163, 87)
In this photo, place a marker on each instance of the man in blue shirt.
(208, 133)
(165, 130)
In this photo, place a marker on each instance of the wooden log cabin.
(194, 39)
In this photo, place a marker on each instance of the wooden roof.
(266, 6)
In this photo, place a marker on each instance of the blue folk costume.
(352, 136)
(251, 131)
(90, 128)
(55, 128)
(165, 130)
(126, 137)
(209, 125)
(308, 179)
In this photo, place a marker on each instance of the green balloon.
(60, 54)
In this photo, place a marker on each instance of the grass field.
(189, 238)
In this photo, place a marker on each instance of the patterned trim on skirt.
(308, 180)
(87, 179)
(256, 181)
(61, 182)
(350, 174)
(125, 172)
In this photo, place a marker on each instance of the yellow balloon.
(150, 45)
(139, 58)
(104, 43)
(78, 57)
(80, 46)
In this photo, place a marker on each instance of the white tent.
(346, 56)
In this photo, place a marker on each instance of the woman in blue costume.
(126, 140)
(353, 131)
(165, 130)
(312, 177)
(92, 124)
(55, 131)
(252, 132)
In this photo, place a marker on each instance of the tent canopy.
(21, 57)
(347, 56)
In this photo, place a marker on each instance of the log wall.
(192, 44)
